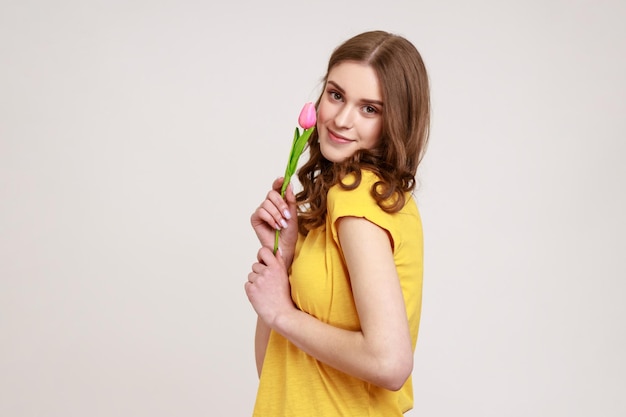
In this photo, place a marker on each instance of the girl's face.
(349, 115)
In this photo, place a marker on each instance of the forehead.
(358, 80)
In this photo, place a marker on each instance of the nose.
(344, 117)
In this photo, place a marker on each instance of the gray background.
(136, 137)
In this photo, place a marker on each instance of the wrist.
(284, 320)
(287, 257)
(288, 260)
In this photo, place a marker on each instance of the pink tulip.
(307, 117)
(307, 121)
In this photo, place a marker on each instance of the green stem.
(277, 233)
(298, 145)
(276, 241)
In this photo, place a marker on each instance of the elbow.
(394, 372)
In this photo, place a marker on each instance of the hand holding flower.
(306, 120)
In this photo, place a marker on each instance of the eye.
(370, 109)
(335, 95)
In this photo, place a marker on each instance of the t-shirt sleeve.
(358, 203)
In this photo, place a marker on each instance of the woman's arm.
(380, 352)
(274, 213)
(261, 337)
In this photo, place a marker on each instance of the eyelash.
(374, 109)
(337, 96)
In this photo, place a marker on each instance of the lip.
(334, 137)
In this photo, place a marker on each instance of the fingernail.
(287, 214)
(283, 222)
(276, 226)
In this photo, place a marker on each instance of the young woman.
(339, 305)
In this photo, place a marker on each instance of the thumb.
(266, 256)
(289, 195)
(279, 258)
(292, 205)
(278, 183)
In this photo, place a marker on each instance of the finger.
(270, 214)
(281, 206)
(279, 259)
(290, 198)
(289, 195)
(247, 286)
(252, 277)
(278, 183)
(266, 257)
(257, 268)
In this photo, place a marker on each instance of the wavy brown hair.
(406, 118)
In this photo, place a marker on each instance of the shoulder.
(355, 200)
(348, 191)
(359, 190)
(359, 202)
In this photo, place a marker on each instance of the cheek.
(322, 113)
(375, 131)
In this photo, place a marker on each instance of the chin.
(333, 155)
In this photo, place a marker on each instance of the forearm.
(371, 359)
(261, 337)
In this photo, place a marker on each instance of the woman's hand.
(276, 213)
(268, 287)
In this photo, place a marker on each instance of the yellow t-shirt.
(294, 384)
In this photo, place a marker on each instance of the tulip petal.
(308, 116)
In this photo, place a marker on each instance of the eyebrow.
(365, 100)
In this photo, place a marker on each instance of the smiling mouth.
(338, 138)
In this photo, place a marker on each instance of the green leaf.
(298, 148)
(289, 170)
(296, 135)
